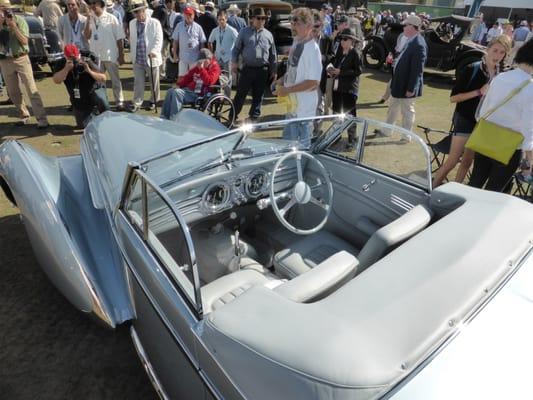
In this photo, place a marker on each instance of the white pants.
(112, 69)
(139, 73)
(405, 107)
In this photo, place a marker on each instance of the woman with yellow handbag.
(471, 84)
(506, 125)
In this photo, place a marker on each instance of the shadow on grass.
(48, 348)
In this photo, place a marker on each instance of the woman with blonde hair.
(471, 85)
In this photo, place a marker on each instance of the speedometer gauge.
(216, 197)
(256, 183)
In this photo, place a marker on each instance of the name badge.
(190, 44)
(258, 52)
(77, 93)
(95, 37)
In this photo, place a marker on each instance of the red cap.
(188, 11)
(71, 51)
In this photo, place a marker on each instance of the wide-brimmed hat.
(413, 20)
(348, 33)
(342, 18)
(210, 5)
(258, 12)
(205, 54)
(137, 5)
(5, 4)
(351, 11)
(234, 7)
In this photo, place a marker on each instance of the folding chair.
(439, 149)
(522, 186)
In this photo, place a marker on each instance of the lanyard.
(221, 36)
(76, 27)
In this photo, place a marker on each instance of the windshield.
(245, 142)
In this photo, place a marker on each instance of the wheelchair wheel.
(221, 108)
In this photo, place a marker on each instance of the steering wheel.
(301, 193)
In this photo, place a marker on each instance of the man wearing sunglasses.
(256, 46)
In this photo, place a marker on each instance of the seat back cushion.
(391, 235)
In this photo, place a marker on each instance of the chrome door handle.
(366, 186)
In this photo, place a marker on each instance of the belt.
(260, 67)
(19, 55)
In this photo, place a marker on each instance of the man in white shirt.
(71, 26)
(146, 42)
(302, 78)
(493, 32)
(188, 38)
(223, 36)
(106, 35)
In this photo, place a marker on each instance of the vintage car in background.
(277, 23)
(249, 267)
(448, 49)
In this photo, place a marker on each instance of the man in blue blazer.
(407, 80)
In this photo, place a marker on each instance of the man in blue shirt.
(520, 37)
(188, 38)
(234, 20)
(256, 46)
(223, 37)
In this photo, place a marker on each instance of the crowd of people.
(196, 47)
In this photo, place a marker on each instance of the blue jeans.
(174, 100)
(299, 131)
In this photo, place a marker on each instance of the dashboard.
(229, 186)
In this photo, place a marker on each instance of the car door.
(166, 293)
(385, 175)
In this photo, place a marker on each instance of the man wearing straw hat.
(146, 42)
(234, 19)
(16, 66)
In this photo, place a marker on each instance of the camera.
(8, 14)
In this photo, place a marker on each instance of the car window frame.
(133, 174)
(323, 148)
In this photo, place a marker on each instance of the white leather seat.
(226, 288)
(310, 251)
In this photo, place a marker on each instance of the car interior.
(331, 220)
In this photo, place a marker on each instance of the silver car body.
(99, 224)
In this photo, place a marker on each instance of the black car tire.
(374, 55)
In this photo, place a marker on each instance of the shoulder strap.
(509, 97)
(477, 66)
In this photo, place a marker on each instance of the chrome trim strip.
(397, 200)
(459, 326)
(147, 365)
(186, 233)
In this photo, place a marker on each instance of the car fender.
(72, 240)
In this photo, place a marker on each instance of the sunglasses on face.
(261, 18)
(345, 38)
(317, 26)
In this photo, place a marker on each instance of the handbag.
(493, 140)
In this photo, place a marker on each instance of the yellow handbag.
(493, 140)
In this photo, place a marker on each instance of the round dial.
(256, 183)
(216, 197)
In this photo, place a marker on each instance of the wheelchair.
(215, 103)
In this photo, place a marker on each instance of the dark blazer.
(325, 44)
(351, 67)
(409, 71)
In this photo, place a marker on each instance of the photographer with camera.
(85, 83)
(16, 66)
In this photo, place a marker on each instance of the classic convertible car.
(250, 267)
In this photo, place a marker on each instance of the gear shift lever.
(237, 248)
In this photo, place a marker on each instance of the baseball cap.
(188, 11)
(71, 51)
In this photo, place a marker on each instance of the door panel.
(365, 200)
